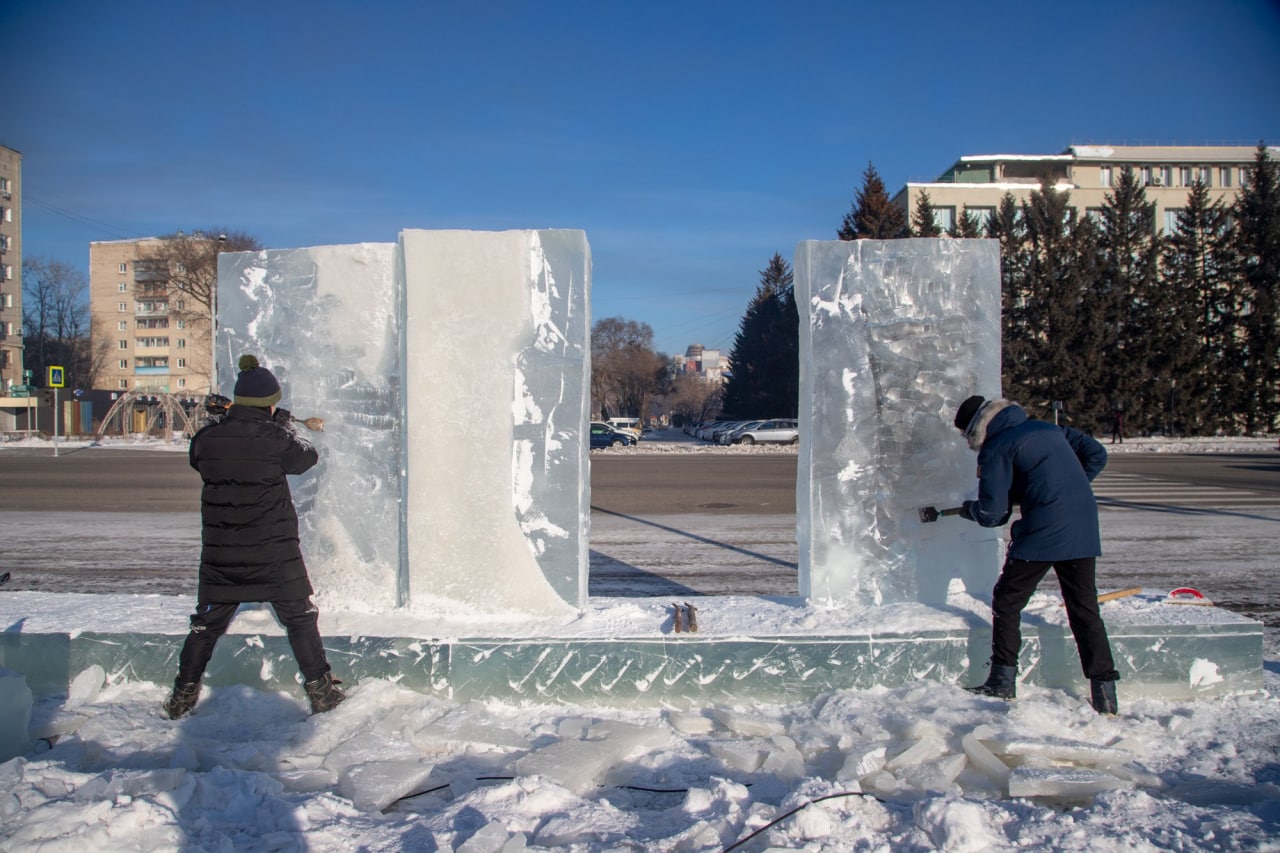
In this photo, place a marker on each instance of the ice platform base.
(625, 651)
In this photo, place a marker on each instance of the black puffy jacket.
(250, 529)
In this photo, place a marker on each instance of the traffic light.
(48, 396)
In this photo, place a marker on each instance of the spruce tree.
(1200, 310)
(1051, 316)
(1016, 353)
(967, 225)
(1257, 216)
(765, 380)
(1130, 255)
(923, 223)
(873, 216)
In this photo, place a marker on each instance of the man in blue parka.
(1046, 470)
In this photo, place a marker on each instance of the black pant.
(1080, 593)
(210, 621)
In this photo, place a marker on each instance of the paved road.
(674, 524)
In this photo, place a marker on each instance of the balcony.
(151, 309)
(151, 371)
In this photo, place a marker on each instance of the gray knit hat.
(256, 385)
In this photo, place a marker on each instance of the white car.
(778, 431)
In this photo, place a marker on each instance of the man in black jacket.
(250, 549)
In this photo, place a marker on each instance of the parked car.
(722, 428)
(729, 435)
(603, 435)
(628, 425)
(778, 431)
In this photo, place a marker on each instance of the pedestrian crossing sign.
(56, 376)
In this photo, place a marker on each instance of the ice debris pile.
(922, 766)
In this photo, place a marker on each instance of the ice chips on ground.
(1058, 749)
(377, 784)
(1061, 782)
(747, 725)
(577, 764)
(86, 686)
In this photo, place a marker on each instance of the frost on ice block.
(894, 335)
(325, 321)
(496, 376)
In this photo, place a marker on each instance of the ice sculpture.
(452, 369)
(326, 322)
(893, 336)
(496, 354)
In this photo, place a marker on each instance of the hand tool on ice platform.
(1119, 593)
(1187, 595)
(932, 513)
(678, 617)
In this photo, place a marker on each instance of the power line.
(76, 217)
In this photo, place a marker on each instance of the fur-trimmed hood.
(976, 434)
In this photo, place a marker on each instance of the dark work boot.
(1002, 683)
(324, 693)
(182, 699)
(1103, 694)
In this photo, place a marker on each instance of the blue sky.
(690, 141)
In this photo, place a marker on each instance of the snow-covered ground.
(921, 767)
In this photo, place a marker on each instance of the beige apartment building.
(157, 339)
(10, 270)
(1089, 173)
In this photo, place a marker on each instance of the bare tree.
(184, 267)
(56, 320)
(625, 370)
(694, 398)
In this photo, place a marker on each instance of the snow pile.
(921, 767)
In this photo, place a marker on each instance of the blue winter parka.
(1047, 471)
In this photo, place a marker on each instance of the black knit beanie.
(969, 408)
(256, 386)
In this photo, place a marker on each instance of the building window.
(123, 345)
(4, 185)
(1184, 176)
(182, 343)
(182, 304)
(981, 215)
(182, 324)
(8, 214)
(182, 362)
(124, 364)
(124, 267)
(1105, 173)
(1205, 176)
(1171, 219)
(182, 383)
(6, 300)
(8, 272)
(122, 307)
(124, 287)
(123, 384)
(1144, 175)
(1224, 176)
(1166, 176)
(945, 218)
(1093, 214)
(123, 325)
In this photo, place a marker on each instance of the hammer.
(932, 513)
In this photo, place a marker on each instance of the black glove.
(966, 510)
(282, 416)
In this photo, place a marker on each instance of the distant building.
(10, 270)
(158, 339)
(700, 361)
(978, 182)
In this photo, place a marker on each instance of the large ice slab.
(326, 322)
(496, 371)
(894, 335)
(453, 372)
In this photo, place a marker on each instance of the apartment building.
(700, 361)
(158, 339)
(1089, 173)
(10, 270)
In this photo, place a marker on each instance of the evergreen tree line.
(1179, 331)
